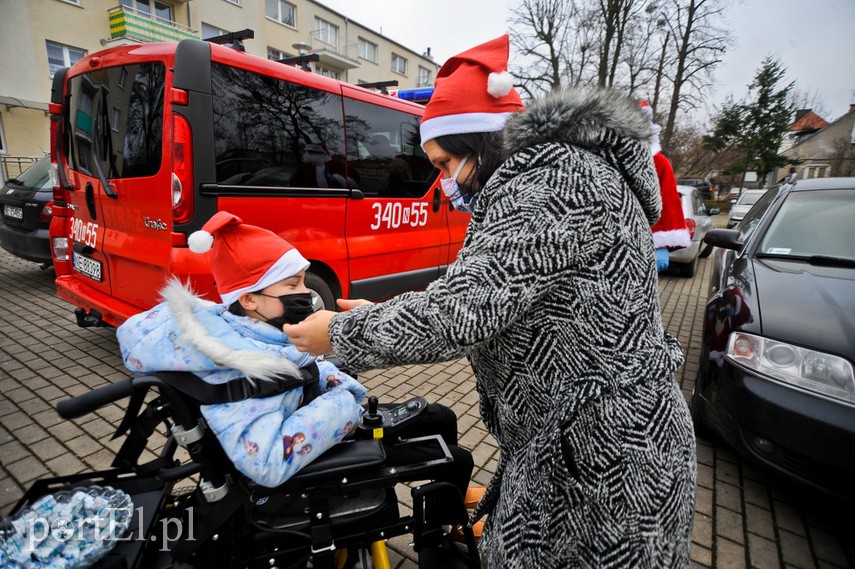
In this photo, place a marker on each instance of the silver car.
(740, 206)
(699, 221)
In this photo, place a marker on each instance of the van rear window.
(116, 116)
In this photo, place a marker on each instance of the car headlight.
(808, 369)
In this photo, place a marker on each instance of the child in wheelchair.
(285, 407)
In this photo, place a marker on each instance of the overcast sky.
(814, 39)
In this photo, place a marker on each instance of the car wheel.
(705, 252)
(322, 296)
(700, 427)
(688, 269)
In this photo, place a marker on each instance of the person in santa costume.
(553, 299)
(670, 232)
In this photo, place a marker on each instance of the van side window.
(384, 153)
(124, 126)
(273, 133)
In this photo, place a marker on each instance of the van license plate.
(86, 266)
(13, 212)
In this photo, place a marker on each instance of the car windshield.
(36, 176)
(749, 198)
(813, 224)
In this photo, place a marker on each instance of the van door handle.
(437, 201)
(90, 200)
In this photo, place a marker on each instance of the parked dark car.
(26, 202)
(699, 222)
(776, 374)
(704, 185)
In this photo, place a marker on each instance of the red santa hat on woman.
(244, 258)
(473, 93)
(670, 230)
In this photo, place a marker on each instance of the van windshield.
(116, 117)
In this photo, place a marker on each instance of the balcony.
(338, 56)
(129, 26)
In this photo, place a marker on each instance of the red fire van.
(149, 141)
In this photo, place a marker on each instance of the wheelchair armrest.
(344, 458)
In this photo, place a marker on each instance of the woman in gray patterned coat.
(553, 299)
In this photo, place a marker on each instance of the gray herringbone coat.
(553, 298)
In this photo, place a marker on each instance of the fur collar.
(577, 117)
(601, 121)
(254, 364)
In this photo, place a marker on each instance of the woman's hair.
(484, 148)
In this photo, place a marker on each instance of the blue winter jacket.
(269, 439)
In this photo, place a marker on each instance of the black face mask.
(296, 307)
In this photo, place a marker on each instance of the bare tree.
(541, 33)
(843, 158)
(616, 17)
(813, 100)
(700, 46)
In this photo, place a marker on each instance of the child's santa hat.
(244, 258)
(473, 93)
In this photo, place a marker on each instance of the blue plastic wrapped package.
(69, 529)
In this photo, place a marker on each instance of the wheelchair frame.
(337, 511)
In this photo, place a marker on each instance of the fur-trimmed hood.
(189, 333)
(604, 122)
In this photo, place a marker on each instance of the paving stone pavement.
(744, 517)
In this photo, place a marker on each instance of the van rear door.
(120, 227)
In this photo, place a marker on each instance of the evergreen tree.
(755, 129)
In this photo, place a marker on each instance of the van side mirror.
(714, 211)
(724, 238)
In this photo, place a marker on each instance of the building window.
(209, 31)
(275, 54)
(281, 11)
(816, 171)
(75, 2)
(62, 56)
(424, 76)
(236, 2)
(150, 8)
(367, 50)
(326, 32)
(399, 64)
(326, 72)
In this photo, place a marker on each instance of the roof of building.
(807, 120)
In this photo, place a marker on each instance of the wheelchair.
(335, 513)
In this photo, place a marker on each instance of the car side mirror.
(724, 238)
(732, 202)
(714, 211)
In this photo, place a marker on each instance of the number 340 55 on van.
(150, 141)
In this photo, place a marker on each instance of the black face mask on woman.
(296, 308)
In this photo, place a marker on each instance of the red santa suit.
(670, 232)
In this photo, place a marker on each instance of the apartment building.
(39, 36)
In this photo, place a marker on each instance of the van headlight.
(808, 369)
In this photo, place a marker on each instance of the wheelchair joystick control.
(372, 418)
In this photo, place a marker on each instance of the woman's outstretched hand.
(312, 334)
(346, 303)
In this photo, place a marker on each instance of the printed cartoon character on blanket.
(260, 278)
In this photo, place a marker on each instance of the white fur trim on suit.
(462, 124)
(253, 364)
(672, 238)
(288, 265)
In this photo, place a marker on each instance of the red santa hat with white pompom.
(244, 258)
(473, 93)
